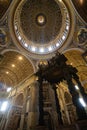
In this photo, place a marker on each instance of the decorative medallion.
(41, 26)
(41, 19)
(3, 38)
(82, 36)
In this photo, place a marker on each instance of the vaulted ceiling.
(14, 68)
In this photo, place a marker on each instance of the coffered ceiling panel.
(14, 68)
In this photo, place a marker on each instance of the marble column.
(41, 103)
(57, 105)
(12, 122)
(61, 94)
(23, 110)
(21, 122)
(3, 122)
(5, 115)
(54, 114)
(33, 114)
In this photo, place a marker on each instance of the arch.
(15, 68)
(22, 53)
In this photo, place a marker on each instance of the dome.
(41, 26)
(40, 20)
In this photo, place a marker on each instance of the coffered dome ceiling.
(40, 20)
(40, 26)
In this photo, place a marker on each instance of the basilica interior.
(43, 64)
